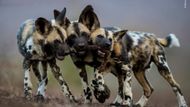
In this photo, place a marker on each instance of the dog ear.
(89, 18)
(67, 22)
(56, 13)
(118, 35)
(43, 26)
(60, 18)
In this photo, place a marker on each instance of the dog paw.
(100, 95)
(28, 97)
(119, 105)
(39, 98)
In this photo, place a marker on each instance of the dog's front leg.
(119, 98)
(101, 91)
(127, 91)
(59, 77)
(27, 81)
(86, 88)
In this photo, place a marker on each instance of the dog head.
(79, 32)
(51, 35)
(106, 40)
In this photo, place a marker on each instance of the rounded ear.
(118, 35)
(43, 26)
(89, 18)
(56, 13)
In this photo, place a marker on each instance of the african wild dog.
(137, 50)
(43, 41)
(82, 50)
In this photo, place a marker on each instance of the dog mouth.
(60, 57)
(81, 52)
(101, 53)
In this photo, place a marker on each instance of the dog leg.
(119, 98)
(86, 88)
(36, 70)
(43, 83)
(147, 88)
(101, 91)
(162, 65)
(27, 81)
(56, 72)
(127, 91)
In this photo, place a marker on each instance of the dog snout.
(107, 45)
(81, 45)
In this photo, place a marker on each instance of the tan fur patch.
(97, 32)
(117, 49)
(82, 28)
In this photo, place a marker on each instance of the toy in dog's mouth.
(81, 52)
(101, 53)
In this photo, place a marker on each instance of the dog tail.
(170, 41)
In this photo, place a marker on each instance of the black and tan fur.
(137, 50)
(83, 51)
(43, 41)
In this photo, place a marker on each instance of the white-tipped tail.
(174, 41)
(170, 41)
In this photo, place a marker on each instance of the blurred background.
(156, 16)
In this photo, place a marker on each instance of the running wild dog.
(43, 41)
(82, 50)
(135, 52)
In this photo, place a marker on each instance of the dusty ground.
(9, 98)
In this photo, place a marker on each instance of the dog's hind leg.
(59, 77)
(147, 88)
(27, 81)
(43, 83)
(36, 70)
(162, 65)
(86, 88)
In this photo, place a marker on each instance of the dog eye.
(84, 34)
(57, 41)
(110, 39)
(100, 36)
(72, 36)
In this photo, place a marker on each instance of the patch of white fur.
(100, 87)
(41, 88)
(127, 102)
(65, 90)
(127, 89)
(118, 99)
(26, 30)
(29, 43)
(160, 57)
(113, 29)
(136, 35)
(181, 100)
(174, 41)
(28, 81)
(110, 36)
(61, 78)
(142, 101)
